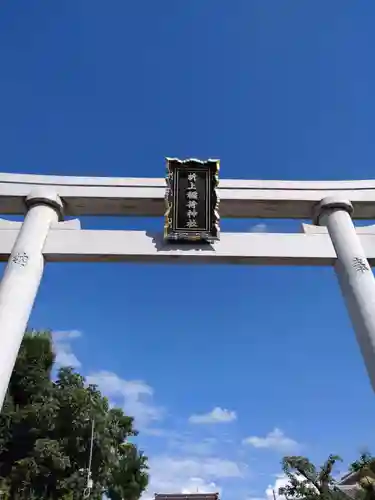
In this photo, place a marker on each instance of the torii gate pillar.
(354, 274)
(21, 279)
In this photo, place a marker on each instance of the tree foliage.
(45, 434)
(366, 462)
(309, 482)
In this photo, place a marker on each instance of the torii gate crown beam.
(145, 197)
(67, 243)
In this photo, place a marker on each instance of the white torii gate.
(44, 236)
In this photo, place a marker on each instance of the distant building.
(187, 496)
(348, 484)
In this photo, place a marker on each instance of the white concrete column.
(354, 274)
(22, 275)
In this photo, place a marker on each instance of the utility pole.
(89, 483)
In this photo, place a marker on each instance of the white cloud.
(65, 356)
(202, 447)
(198, 485)
(280, 482)
(216, 416)
(158, 432)
(63, 349)
(60, 335)
(135, 396)
(274, 440)
(259, 228)
(190, 485)
(210, 467)
(189, 474)
(272, 491)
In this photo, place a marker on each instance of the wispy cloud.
(61, 335)
(202, 447)
(259, 228)
(274, 440)
(159, 432)
(63, 349)
(210, 467)
(216, 416)
(135, 396)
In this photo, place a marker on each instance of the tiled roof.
(350, 489)
(349, 478)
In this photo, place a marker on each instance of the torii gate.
(44, 236)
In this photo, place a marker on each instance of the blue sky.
(278, 89)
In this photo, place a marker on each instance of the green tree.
(309, 482)
(45, 434)
(366, 462)
(128, 479)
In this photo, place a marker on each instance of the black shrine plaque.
(192, 200)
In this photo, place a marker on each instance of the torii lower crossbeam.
(233, 248)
